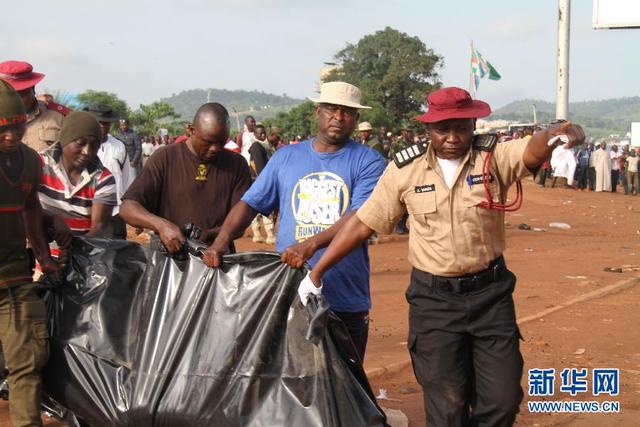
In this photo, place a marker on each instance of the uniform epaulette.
(59, 108)
(485, 141)
(409, 154)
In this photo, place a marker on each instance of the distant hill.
(600, 118)
(259, 104)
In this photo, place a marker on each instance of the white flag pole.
(472, 80)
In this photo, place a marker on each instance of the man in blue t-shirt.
(583, 167)
(316, 186)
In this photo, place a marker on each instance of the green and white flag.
(481, 68)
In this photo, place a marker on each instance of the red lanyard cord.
(486, 180)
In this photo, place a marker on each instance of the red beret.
(19, 74)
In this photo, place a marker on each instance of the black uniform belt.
(464, 284)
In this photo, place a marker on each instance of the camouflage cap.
(11, 107)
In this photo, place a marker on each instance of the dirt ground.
(555, 268)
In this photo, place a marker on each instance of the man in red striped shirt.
(75, 185)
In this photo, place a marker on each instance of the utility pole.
(562, 86)
(535, 114)
(235, 113)
(472, 81)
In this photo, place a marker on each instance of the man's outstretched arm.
(233, 227)
(296, 255)
(538, 150)
(136, 215)
(34, 227)
(350, 236)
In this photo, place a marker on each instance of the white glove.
(306, 288)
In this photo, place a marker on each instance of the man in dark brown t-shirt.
(196, 182)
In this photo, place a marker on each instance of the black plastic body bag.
(138, 338)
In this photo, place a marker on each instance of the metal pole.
(562, 86)
(235, 113)
(472, 83)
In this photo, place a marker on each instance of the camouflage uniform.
(398, 145)
(375, 144)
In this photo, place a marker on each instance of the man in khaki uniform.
(23, 329)
(44, 119)
(463, 337)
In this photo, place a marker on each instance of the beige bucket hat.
(340, 93)
(364, 126)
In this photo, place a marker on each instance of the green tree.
(65, 98)
(393, 70)
(94, 97)
(149, 118)
(300, 120)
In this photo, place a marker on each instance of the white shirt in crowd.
(248, 138)
(632, 164)
(563, 162)
(113, 155)
(147, 148)
(615, 155)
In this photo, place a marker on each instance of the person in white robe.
(602, 163)
(563, 163)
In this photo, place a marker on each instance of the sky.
(143, 50)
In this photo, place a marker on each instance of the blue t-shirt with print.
(314, 190)
(583, 157)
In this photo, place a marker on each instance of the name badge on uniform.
(425, 188)
(477, 179)
(201, 173)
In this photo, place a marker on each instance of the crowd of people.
(601, 168)
(66, 175)
(594, 166)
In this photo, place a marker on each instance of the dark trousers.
(581, 176)
(119, 228)
(544, 173)
(357, 324)
(622, 176)
(591, 175)
(465, 351)
(614, 180)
